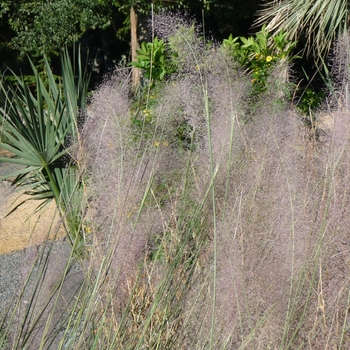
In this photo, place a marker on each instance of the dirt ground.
(21, 228)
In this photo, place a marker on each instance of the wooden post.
(134, 48)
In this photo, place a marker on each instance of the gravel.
(10, 278)
(47, 263)
(8, 168)
(44, 263)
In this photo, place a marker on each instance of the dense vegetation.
(208, 209)
(102, 28)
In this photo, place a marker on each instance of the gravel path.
(15, 268)
(22, 251)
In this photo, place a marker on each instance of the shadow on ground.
(38, 287)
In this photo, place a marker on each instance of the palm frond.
(320, 21)
(38, 127)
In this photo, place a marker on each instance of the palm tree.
(38, 127)
(319, 21)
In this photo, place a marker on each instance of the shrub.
(260, 54)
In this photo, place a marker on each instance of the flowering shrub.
(260, 54)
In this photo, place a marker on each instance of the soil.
(22, 228)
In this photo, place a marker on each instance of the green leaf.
(37, 128)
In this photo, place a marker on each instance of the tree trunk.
(134, 47)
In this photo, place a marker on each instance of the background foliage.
(37, 27)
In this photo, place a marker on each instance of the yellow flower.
(156, 143)
(165, 143)
(268, 59)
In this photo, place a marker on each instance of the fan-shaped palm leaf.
(38, 127)
(320, 21)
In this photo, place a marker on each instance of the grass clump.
(209, 223)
